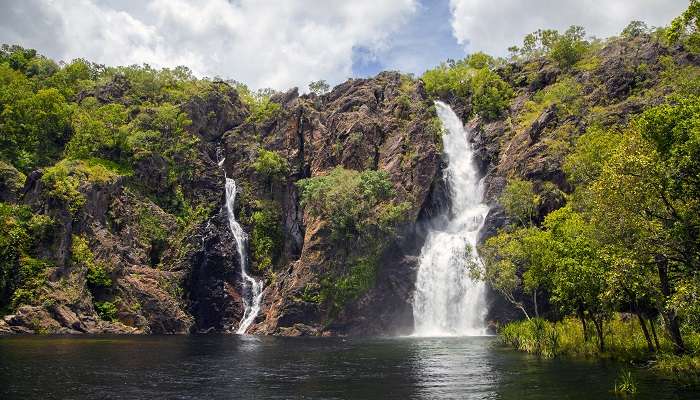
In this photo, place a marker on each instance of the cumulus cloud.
(495, 25)
(265, 43)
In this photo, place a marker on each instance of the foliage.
(355, 203)
(99, 131)
(635, 29)
(448, 79)
(686, 27)
(106, 310)
(520, 201)
(270, 164)
(259, 104)
(472, 78)
(515, 261)
(535, 336)
(266, 236)
(21, 276)
(565, 49)
(625, 384)
(319, 87)
(66, 177)
(81, 256)
(564, 96)
(360, 278)
(491, 94)
(360, 210)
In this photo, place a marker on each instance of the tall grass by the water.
(625, 384)
(624, 341)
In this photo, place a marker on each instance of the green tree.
(646, 199)
(319, 87)
(355, 203)
(491, 94)
(686, 27)
(520, 201)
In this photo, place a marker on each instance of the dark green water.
(235, 367)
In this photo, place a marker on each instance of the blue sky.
(285, 43)
(422, 42)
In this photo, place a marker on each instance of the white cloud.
(265, 43)
(495, 25)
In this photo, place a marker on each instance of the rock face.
(167, 278)
(180, 275)
(381, 123)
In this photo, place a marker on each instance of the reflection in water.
(454, 367)
(226, 367)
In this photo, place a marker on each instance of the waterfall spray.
(446, 301)
(252, 289)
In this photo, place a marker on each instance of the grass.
(625, 384)
(624, 342)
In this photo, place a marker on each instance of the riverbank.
(623, 340)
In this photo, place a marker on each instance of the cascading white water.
(252, 289)
(446, 301)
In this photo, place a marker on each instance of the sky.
(285, 43)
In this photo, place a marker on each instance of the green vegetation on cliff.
(619, 255)
(360, 214)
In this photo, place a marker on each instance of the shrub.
(106, 310)
(21, 276)
(266, 236)
(81, 256)
(353, 202)
(520, 201)
(565, 95)
(445, 79)
(259, 104)
(270, 164)
(491, 94)
(65, 178)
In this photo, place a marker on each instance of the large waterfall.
(446, 301)
(252, 289)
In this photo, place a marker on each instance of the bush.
(259, 104)
(266, 236)
(65, 178)
(270, 164)
(106, 310)
(448, 79)
(520, 201)
(21, 276)
(81, 256)
(354, 203)
(491, 94)
(566, 95)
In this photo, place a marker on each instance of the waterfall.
(446, 301)
(252, 289)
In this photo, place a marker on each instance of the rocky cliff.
(150, 251)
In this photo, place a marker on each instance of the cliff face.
(186, 276)
(179, 272)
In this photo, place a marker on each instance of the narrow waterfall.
(252, 289)
(446, 301)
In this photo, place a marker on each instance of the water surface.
(248, 367)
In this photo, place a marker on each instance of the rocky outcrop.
(362, 124)
(165, 243)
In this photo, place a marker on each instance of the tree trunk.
(598, 324)
(534, 301)
(653, 332)
(646, 332)
(520, 306)
(582, 318)
(670, 317)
